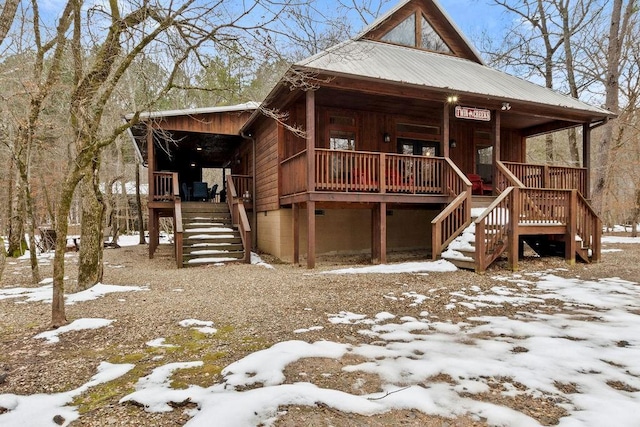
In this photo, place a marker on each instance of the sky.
(585, 356)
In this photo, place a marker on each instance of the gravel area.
(252, 307)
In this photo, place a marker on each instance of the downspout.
(254, 222)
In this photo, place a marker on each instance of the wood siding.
(228, 123)
(267, 167)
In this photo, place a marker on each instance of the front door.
(418, 147)
(484, 162)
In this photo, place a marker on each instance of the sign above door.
(472, 113)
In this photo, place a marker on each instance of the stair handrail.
(456, 216)
(505, 178)
(447, 225)
(239, 217)
(589, 227)
(488, 248)
(178, 229)
(462, 183)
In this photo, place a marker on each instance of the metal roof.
(410, 66)
(251, 105)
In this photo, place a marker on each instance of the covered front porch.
(359, 158)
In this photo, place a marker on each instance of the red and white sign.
(473, 113)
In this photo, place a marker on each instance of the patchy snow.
(159, 342)
(45, 293)
(40, 409)
(620, 239)
(595, 345)
(405, 267)
(52, 336)
(256, 260)
(204, 326)
(585, 357)
(211, 260)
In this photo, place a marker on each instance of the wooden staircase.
(209, 236)
(551, 222)
(462, 251)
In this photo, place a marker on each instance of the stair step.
(214, 248)
(195, 260)
(205, 215)
(194, 207)
(481, 201)
(209, 237)
(199, 240)
(461, 263)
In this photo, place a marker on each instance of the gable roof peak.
(436, 16)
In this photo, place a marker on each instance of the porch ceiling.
(182, 148)
(350, 99)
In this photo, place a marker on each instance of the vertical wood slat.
(557, 177)
(164, 186)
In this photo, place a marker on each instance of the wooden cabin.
(385, 143)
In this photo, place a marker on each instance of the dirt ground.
(253, 308)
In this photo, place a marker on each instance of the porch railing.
(294, 174)
(492, 229)
(359, 171)
(545, 176)
(243, 185)
(239, 216)
(589, 228)
(505, 178)
(165, 186)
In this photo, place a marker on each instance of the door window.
(484, 163)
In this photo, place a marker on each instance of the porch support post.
(496, 146)
(445, 130)
(151, 168)
(311, 139)
(572, 229)
(379, 233)
(513, 235)
(586, 157)
(311, 234)
(154, 231)
(296, 232)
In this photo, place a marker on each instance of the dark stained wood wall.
(267, 167)
(228, 123)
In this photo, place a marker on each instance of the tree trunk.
(574, 151)
(139, 206)
(16, 246)
(617, 32)
(58, 315)
(636, 215)
(548, 147)
(90, 266)
(3, 257)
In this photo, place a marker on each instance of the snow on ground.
(40, 409)
(405, 267)
(256, 260)
(593, 345)
(620, 239)
(45, 293)
(585, 357)
(204, 326)
(52, 336)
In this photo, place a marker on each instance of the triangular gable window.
(431, 40)
(405, 34)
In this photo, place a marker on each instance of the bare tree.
(7, 16)
(623, 15)
(182, 27)
(542, 43)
